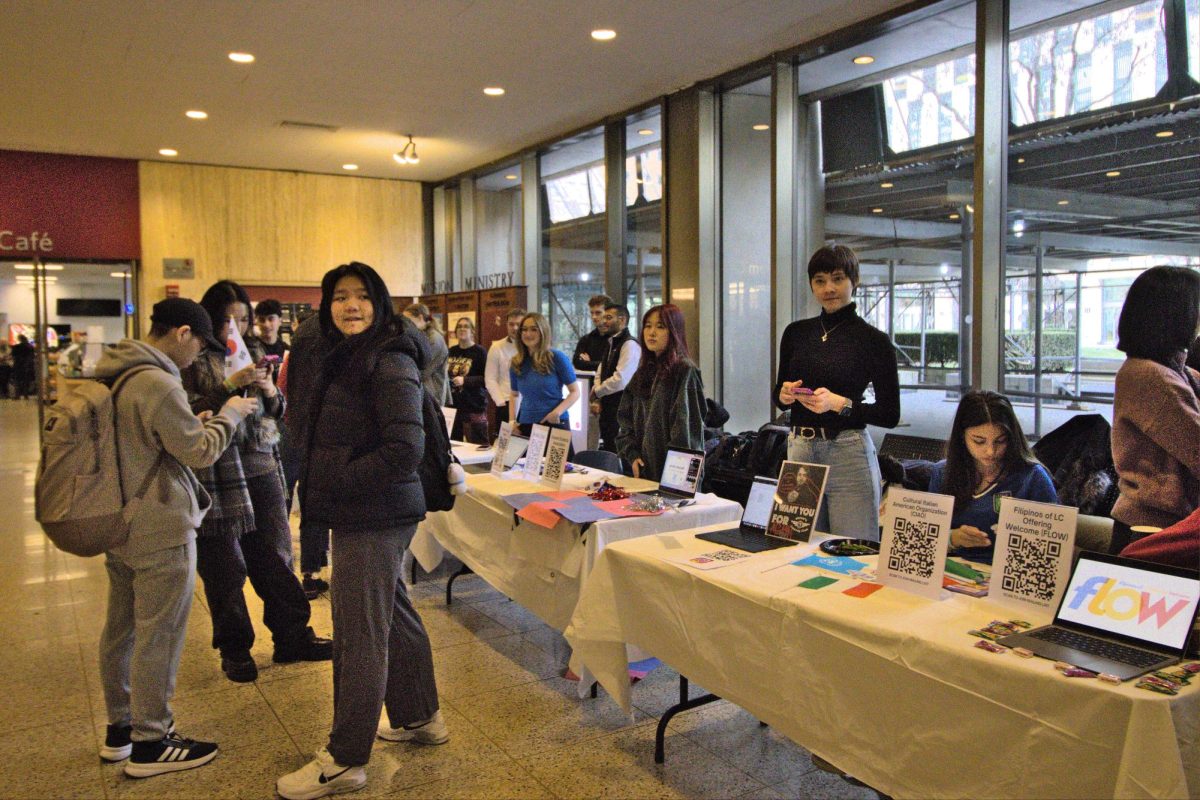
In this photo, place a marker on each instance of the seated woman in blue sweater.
(987, 458)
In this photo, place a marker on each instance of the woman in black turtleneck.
(825, 366)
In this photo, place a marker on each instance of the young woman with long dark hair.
(1156, 408)
(365, 441)
(663, 405)
(825, 366)
(987, 457)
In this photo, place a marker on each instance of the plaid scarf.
(231, 513)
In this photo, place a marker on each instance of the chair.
(600, 459)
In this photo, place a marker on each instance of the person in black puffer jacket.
(365, 442)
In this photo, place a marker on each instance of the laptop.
(1120, 616)
(751, 535)
(680, 476)
(516, 448)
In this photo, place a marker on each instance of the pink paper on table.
(566, 494)
(541, 514)
(621, 508)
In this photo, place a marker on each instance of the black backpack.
(435, 464)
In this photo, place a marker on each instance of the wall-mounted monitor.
(88, 307)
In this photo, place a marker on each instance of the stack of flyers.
(969, 579)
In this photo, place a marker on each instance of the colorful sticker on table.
(535, 451)
(556, 458)
(817, 582)
(1032, 561)
(797, 498)
(501, 448)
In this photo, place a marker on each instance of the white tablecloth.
(543, 569)
(890, 687)
(470, 454)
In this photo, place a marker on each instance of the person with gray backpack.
(152, 574)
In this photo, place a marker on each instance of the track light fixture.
(408, 153)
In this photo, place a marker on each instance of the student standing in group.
(499, 359)
(615, 370)
(592, 346)
(298, 381)
(268, 319)
(663, 406)
(465, 367)
(434, 376)
(987, 457)
(246, 532)
(538, 375)
(365, 443)
(152, 576)
(1156, 406)
(825, 366)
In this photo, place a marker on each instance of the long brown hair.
(979, 408)
(659, 365)
(541, 358)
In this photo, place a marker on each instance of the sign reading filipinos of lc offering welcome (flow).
(916, 536)
(1032, 560)
(534, 452)
(501, 448)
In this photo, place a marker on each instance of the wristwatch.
(847, 409)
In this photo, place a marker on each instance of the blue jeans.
(850, 506)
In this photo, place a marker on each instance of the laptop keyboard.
(1098, 647)
(751, 542)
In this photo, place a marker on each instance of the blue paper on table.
(522, 499)
(582, 510)
(843, 564)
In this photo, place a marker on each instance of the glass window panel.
(643, 215)
(1193, 37)
(574, 236)
(931, 105)
(1090, 64)
(745, 284)
(498, 221)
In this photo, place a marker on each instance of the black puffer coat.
(366, 435)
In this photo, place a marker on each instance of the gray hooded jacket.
(153, 416)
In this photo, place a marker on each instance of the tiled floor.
(517, 730)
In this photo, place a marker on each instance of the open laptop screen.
(758, 504)
(1149, 604)
(681, 471)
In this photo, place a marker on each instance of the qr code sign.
(913, 547)
(1031, 567)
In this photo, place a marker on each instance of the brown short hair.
(599, 300)
(831, 258)
(516, 312)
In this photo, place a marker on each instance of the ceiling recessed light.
(1165, 134)
(510, 177)
(876, 210)
(241, 58)
(22, 266)
(954, 216)
(886, 185)
(762, 126)
(53, 267)
(1064, 202)
(197, 114)
(168, 151)
(604, 35)
(118, 274)
(1020, 160)
(645, 132)
(970, 208)
(864, 60)
(1112, 173)
(350, 167)
(493, 91)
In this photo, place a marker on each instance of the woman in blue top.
(987, 458)
(538, 374)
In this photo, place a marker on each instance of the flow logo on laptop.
(1121, 601)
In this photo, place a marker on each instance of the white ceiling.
(114, 77)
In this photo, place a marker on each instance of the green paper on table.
(817, 582)
(963, 571)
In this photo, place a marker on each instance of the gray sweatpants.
(381, 653)
(149, 598)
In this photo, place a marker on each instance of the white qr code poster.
(1032, 562)
(916, 535)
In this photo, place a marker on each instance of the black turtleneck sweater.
(853, 356)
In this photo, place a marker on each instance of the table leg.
(463, 570)
(685, 703)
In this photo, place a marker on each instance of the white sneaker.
(320, 777)
(431, 731)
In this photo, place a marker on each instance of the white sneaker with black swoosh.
(430, 731)
(320, 777)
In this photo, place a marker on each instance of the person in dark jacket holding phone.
(365, 442)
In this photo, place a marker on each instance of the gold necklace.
(825, 333)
